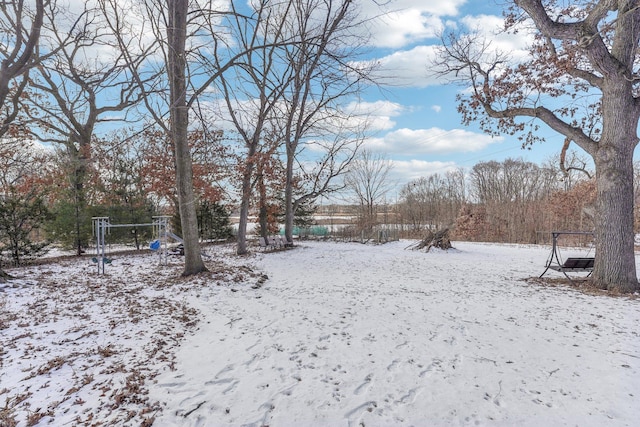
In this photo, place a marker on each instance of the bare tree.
(174, 25)
(321, 74)
(592, 48)
(433, 202)
(510, 193)
(510, 180)
(75, 90)
(252, 89)
(320, 175)
(368, 183)
(177, 11)
(187, 36)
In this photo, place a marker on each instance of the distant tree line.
(513, 200)
(508, 201)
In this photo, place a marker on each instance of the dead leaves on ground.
(99, 338)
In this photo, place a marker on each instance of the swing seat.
(155, 245)
(571, 265)
(575, 264)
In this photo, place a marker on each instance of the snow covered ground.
(326, 334)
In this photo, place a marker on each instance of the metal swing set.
(574, 265)
(102, 226)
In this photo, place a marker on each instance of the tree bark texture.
(241, 248)
(245, 203)
(179, 116)
(615, 266)
(288, 196)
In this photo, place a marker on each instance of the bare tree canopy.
(82, 83)
(580, 79)
(368, 182)
(294, 68)
(321, 74)
(19, 36)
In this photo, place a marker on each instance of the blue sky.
(422, 131)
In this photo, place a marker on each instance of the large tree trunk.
(288, 197)
(241, 248)
(597, 54)
(615, 266)
(179, 113)
(80, 158)
(245, 202)
(263, 211)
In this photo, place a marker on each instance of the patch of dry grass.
(584, 286)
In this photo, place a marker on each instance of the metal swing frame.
(102, 226)
(572, 264)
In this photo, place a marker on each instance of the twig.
(232, 321)
(627, 354)
(186, 414)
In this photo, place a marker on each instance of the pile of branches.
(439, 239)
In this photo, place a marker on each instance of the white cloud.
(403, 22)
(407, 68)
(436, 108)
(380, 108)
(412, 67)
(433, 7)
(406, 171)
(377, 115)
(371, 117)
(492, 28)
(406, 27)
(431, 141)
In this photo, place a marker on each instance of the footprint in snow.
(393, 365)
(435, 365)
(224, 370)
(362, 387)
(411, 396)
(356, 413)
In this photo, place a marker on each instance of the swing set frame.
(571, 264)
(102, 226)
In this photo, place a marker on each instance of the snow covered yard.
(338, 335)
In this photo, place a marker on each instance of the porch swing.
(576, 266)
